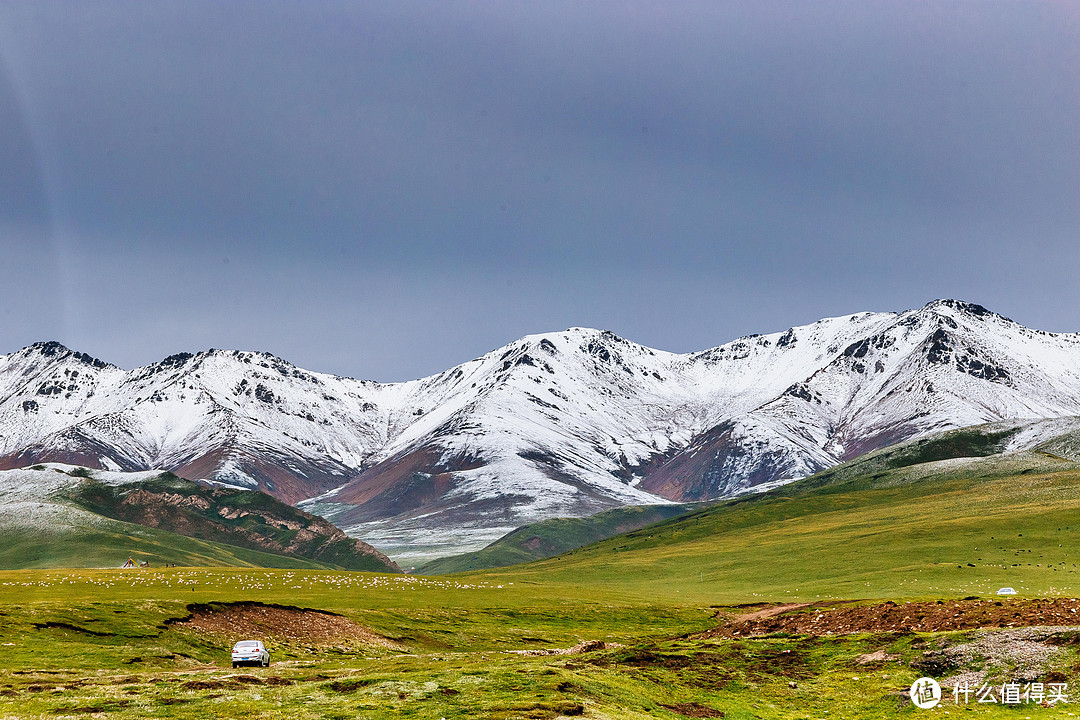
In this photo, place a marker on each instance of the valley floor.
(154, 643)
(826, 599)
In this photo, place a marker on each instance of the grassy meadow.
(950, 528)
(115, 644)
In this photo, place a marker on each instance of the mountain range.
(557, 424)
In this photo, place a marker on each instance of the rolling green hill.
(67, 516)
(920, 519)
(109, 543)
(245, 518)
(973, 442)
(551, 537)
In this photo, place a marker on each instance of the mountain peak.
(59, 351)
(50, 348)
(950, 306)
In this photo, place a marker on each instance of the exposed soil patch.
(204, 685)
(548, 710)
(940, 616)
(694, 710)
(349, 686)
(110, 706)
(281, 623)
(773, 662)
(713, 669)
(314, 678)
(772, 611)
(234, 681)
(173, 701)
(878, 657)
(650, 659)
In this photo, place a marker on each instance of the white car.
(250, 652)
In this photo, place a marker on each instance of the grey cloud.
(381, 175)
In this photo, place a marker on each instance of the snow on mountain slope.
(947, 366)
(245, 418)
(53, 509)
(564, 423)
(580, 409)
(28, 503)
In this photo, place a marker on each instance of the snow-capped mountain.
(563, 423)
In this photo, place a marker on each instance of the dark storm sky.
(383, 190)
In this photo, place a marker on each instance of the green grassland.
(87, 642)
(552, 537)
(100, 644)
(948, 528)
(108, 543)
(907, 524)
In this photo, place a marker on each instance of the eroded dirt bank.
(937, 616)
(278, 622)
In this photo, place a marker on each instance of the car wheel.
(234, 666)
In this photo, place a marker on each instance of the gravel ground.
(1012, 655)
